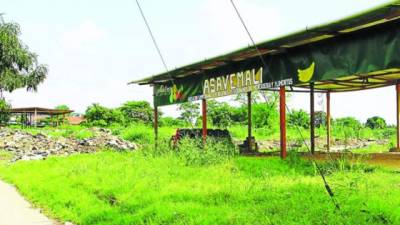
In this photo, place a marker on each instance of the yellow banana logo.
(306, 74)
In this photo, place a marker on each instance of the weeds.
(131, 188)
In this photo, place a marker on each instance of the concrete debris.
(27, 146)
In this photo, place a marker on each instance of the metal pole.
(204, 119)
(312, 119)
(249, 138)
(398, 114)
(282, 120)
(328, 120)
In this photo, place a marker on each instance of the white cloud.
(86, 33)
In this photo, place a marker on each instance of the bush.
(219, 113)
(192, 152)
(170, 122)
(137, 111)
(4, 111)
(376, 122)
(98, 115)
(239, 114)
(349, 122)
(138, 133)
(299, 118)
(264, 115)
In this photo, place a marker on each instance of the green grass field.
(131, 188)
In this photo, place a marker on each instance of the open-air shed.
(352, 54)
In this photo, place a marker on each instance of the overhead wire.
(327, 187)
(319, 169)
(153, 39)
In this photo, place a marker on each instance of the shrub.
(239, 114)
(349, 122)
(189, 112)
(4, 111)
(98, 115)
(137, 111)
(264, 115)
(170, 122)
(192, 152)
(376, 122)
(138, 133)
(299, 118)
(219, 113)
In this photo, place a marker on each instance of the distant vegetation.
(19, 67)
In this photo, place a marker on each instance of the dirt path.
(15, 210)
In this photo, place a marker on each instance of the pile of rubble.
(27, 146)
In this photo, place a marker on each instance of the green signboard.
(361, 53)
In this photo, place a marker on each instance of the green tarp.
(354, 53)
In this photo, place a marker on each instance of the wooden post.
(312, 119)
(249, 138)
(155, 126)
(204, 119)
(398, 115)
(328, 121)
(282, 120)
(35, 117)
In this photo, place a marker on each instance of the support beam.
(282, 119)
(398, 115)
(328, 121)
(249, 138)
(36, 117)
(155, 126)
(204, 119)
(312, 119)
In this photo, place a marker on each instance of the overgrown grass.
(142, 133)
(374, 148)
(137, 188)
(5, 156)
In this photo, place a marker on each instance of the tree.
(137, 111)
(264, 115)
(62, 107)
(189, 112)
(219, 113)
(239, 114)
(349, 122)
(98, 115)
(299, 118)
(60, 118)
(4, 111)
(19, 68)
(376, 122)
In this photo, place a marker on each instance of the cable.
(327, 187)
(152, 37)
(326, 184)
(248, 32)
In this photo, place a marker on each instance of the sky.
(93, 48)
